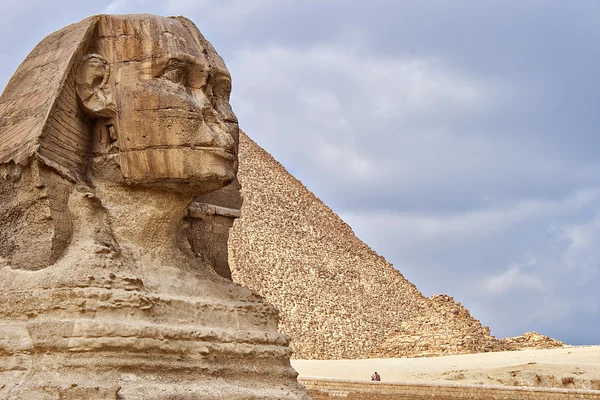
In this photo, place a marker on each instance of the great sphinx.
(108, 130)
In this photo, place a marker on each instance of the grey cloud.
(24, 23)
(417, 155)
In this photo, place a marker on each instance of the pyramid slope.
(337, 298)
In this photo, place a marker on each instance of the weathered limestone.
(443, 328)
(337, 297)
(530, 340)
(448, 328)
(108, 130)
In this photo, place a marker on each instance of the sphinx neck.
(145, 221)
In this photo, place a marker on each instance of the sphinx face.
(174, 124)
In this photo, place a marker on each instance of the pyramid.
(338, 299)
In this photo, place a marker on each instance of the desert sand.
(568, 367)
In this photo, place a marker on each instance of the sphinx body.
(108, 130)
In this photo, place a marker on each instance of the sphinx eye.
(175, 71)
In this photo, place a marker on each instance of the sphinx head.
(158, 94)
(120, 103)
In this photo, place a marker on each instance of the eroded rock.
(108, 130)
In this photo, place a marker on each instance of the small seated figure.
(108, 130)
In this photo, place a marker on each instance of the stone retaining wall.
(321, 389)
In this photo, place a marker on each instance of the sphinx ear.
(91, 80)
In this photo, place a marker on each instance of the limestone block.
(337, 297)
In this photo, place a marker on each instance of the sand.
(568, 367)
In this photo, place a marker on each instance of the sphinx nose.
(223, 108)
(216, 121)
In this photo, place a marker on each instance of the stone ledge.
(198, 210)
(322, 388)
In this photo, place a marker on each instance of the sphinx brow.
(184, 58)
(193, 64)
(220, 74)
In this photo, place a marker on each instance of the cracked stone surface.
(108, 130)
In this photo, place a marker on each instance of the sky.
(459, 139)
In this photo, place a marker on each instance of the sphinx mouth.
(225, 153)
(218, 151)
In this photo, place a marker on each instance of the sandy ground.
(568, 367)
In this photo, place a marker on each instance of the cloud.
(122, 6)
(397, 88)
(25, 23)
(228, 12)
(479, 222)
(513, 278)
(349, 112)
(557, 283)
